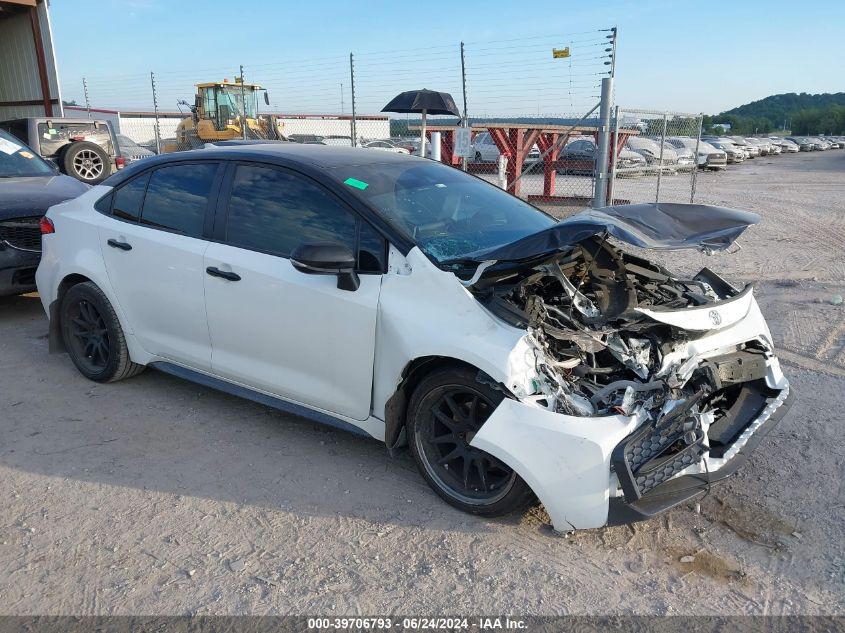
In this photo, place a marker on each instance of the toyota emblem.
(715, 317)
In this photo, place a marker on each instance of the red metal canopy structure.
(515, 140)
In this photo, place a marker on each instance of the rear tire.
(93, 336)
(446, 409)
(86, 161)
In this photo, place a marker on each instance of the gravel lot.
(155, 496)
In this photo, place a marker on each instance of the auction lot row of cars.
(642, 155)
(517, 357)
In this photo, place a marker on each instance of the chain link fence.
(657, 156)
(520, 97)
(531, 106)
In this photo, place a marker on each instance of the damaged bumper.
(592, 471)
(680, 487)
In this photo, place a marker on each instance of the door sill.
(257, 396)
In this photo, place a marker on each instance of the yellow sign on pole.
(558, 53)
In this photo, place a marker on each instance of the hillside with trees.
(799, 113)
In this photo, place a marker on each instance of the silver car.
(751, 151)
(651, 151)
(734, 153)
(785, 145)
(709, 157)
(131, 151)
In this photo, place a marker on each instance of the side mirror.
(327, 258)
(266, 98)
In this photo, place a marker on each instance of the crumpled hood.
(658, 226)
(32, 195)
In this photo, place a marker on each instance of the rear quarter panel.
(74, 249)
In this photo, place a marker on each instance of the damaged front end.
(680, 372)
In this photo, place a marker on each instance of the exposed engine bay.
(599, 350)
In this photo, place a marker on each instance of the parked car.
(686, 156)
(131, 151)
(485, 150)
(515, 354)
(305, 138)
(385, 146)
(86, 149)
(667, 159)
(804, 144)
(785, 145)
(409, 144)
(763, 147)
(708, 156)
(337, 140)
(28, 186)
(819, 144)
(579, 158)
(751, 151)
(734, 154)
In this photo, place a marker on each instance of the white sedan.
(385, 147)
(519, 357)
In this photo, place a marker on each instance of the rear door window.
(178, 196)
(129, 198)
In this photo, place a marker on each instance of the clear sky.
(683, 56)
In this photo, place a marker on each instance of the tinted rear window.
(129, 198)
(177, 197)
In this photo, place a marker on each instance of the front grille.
(23, 233)
(657, 452)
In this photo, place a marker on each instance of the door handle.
(216, 272)
(121, 245)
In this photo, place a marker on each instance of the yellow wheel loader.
(223, 111)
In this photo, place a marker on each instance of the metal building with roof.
(29, 83)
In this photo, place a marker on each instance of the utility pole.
(155, 110)
(464, 86)
(600, 193)
(603, 154)
(352, 80)
(243, 105)
(87, 102)
(341, 98)
(660, 162)
(613, 52)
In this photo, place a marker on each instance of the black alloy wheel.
(446, 411)
(92, 335)
(89, 336)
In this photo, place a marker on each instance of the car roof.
(285, 154)
(60, 119)
(325, 156)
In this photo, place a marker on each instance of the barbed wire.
(505, 76)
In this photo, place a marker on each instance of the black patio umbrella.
(423, 102)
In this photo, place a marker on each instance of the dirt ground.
(155, 496)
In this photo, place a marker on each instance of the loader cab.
(225, 103)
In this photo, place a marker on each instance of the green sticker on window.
(358, 184)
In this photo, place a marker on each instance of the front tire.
(93, 336)
(446, 410)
